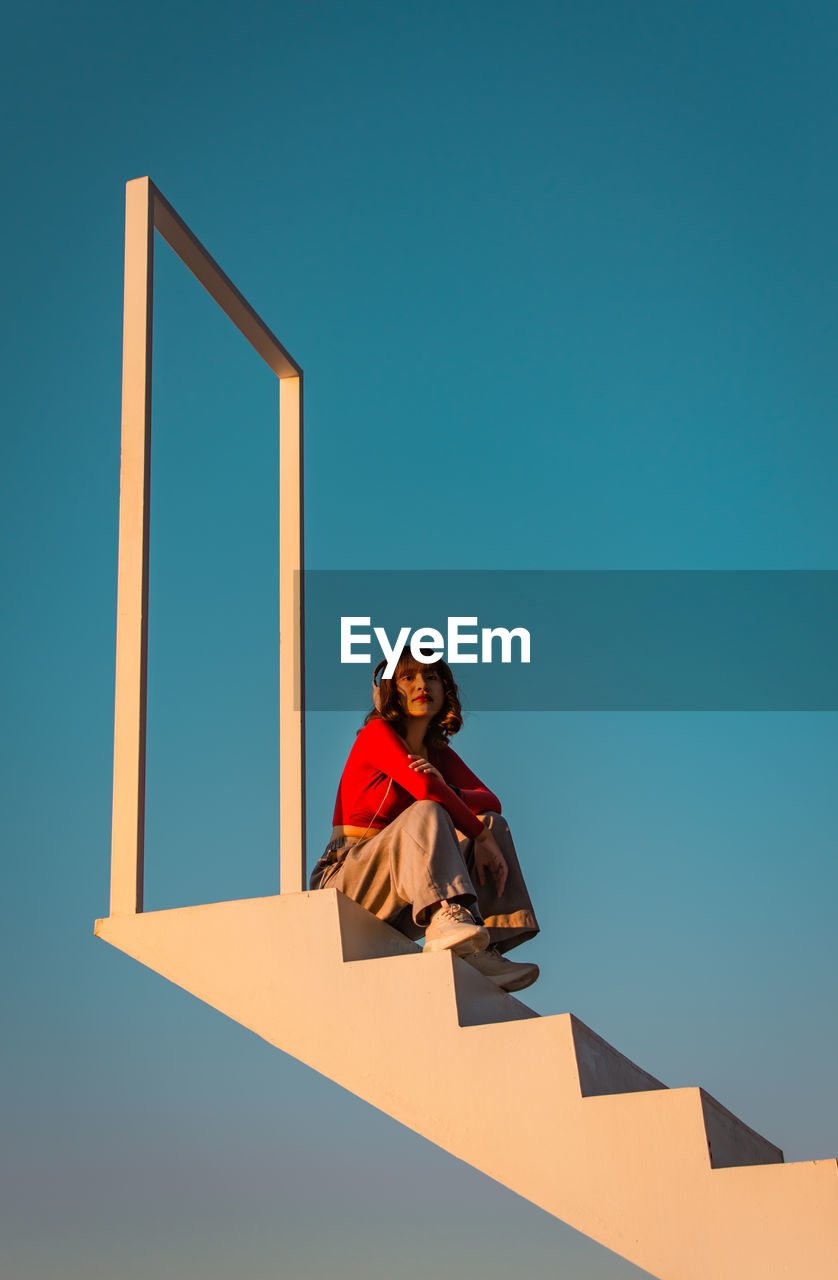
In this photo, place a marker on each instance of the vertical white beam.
(132, 587)
(291, 639)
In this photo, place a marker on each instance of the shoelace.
(453, 911)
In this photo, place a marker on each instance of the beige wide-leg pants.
(419, 859)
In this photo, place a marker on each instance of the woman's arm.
(385, 751)
(457, 774)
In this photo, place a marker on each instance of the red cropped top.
(379, 755)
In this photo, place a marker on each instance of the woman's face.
(422, 692)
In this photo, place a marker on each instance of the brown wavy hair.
(446, 722)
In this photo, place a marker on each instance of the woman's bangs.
(407, 665)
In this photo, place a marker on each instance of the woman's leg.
(509, 917)
(402, 872)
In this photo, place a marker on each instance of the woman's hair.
(447, 721)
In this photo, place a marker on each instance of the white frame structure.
(147, 211)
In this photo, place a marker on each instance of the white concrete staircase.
(666, 1177)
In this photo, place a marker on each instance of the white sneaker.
(506, 974)
(452, 928)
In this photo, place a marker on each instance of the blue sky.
(563, 281)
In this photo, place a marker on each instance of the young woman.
(419, 840)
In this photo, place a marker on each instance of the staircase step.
(602, 1069)
(733, 1143)
(364, 938)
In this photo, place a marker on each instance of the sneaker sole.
(513, 982)
(524, 980)
(466, 943)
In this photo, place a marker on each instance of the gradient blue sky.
(563, 280)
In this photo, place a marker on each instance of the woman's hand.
(488, 857)
(421, 765)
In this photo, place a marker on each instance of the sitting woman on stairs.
(418, 839)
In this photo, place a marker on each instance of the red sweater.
(379, 755)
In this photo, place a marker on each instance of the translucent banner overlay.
(608, 640)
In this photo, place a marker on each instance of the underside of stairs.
(667, 1178)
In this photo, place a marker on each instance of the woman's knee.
(428, 821)
(497, 822)
(430, 811)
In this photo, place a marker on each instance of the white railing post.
(291, 639)
(129, 752)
